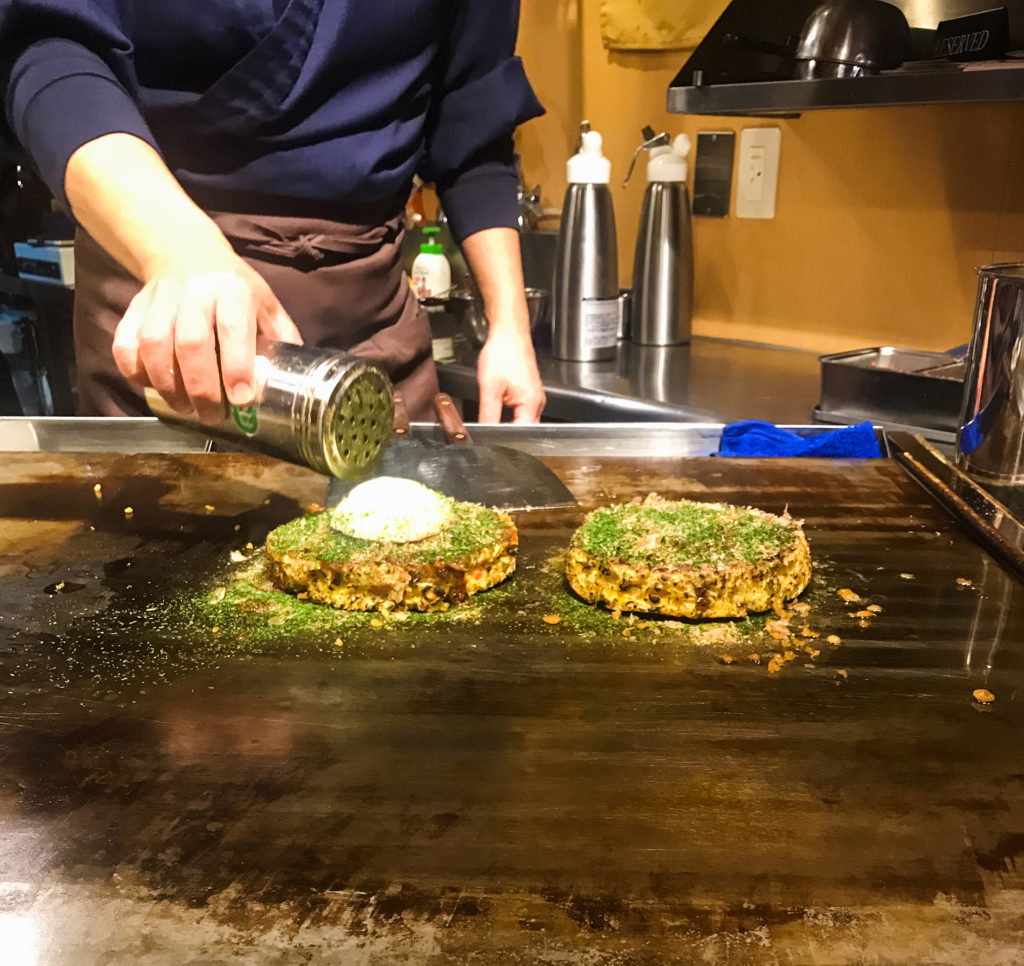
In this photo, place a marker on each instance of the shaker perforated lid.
(589, 166)
(668, 162)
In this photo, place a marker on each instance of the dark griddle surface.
(502, 791)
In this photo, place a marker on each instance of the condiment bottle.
(431, 270)
(661, 309)
(586, 306)
(327, 410)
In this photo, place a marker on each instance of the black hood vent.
(759, 57)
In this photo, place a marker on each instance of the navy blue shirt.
(322, 100)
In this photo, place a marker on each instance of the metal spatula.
(492, 475)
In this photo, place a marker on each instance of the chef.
(239, 169)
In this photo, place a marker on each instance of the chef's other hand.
(507, 376)
(507, 368)
(191, 333)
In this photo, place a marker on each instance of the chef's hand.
(196, 322)
(192, 332)
(507, 367)
(507, 376)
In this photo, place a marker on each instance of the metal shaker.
(586, 306)
(325, 409)
(662, 301)
(990, 441)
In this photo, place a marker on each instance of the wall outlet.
(757, 178)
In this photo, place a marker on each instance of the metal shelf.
(788, 97)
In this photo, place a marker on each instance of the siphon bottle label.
(601, 319)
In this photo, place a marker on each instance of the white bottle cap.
(668, 163)
(590, 166)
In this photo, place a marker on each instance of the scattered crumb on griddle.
(725, 659)
(849, 596)
(874, 608)
(551, 619)
(128, 511)
(754, 658)
(907, 577)
(842, 672)
(805, 631)
(801, 607)
(865, 614)
(98, 490)
(964, 582)
(777, 630)
(209, 507)
(983, 696)
(712, 634)
(834, 639)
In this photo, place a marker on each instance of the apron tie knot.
(308, 247)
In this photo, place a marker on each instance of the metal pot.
(851, 38)
(990, 443)
(468, 308)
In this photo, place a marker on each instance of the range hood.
(738, 70)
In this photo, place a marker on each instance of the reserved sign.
(978, 36)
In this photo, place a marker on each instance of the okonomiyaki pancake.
(687, 559)
(471, 549)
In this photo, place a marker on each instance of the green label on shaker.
(246, 419)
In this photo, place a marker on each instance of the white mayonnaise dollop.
(392, 509)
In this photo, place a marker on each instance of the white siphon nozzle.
(668, 162)
(592, 143)
(589, 165)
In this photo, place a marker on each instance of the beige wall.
(881, 215)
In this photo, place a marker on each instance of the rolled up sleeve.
(61, 88)
(484, 96)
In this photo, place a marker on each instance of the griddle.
(502, 790)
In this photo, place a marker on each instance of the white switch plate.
(757, 177)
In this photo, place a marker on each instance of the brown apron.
(340, 279)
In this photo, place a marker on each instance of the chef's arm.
(195, 323)
(507, 368)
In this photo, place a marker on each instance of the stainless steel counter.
(68, 434)
(709, 380)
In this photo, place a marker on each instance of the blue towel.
(752, 437)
